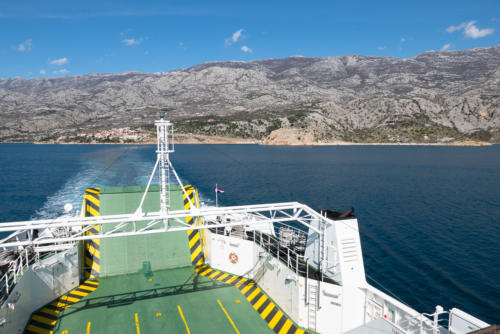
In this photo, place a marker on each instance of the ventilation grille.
(349, 249)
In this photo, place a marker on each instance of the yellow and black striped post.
(91, 253)
(194, 238)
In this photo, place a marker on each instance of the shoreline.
(256, 142)
(190, 139)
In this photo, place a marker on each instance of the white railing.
(272, 245)
(149, 223)
(403, 317)
(15, 271)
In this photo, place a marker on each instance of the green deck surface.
(152, 276)
(147, 252)
(112, 307)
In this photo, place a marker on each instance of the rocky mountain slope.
(433, 97)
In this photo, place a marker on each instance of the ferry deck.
(148, 283)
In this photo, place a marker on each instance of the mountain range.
(435, 97)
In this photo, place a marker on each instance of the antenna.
(163, 149)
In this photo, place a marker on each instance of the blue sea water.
(429, 216)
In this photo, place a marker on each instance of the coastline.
(241, 141)
(280, 141)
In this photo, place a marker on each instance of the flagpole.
(216, 197)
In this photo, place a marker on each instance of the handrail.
(15, 271)
(269, 244)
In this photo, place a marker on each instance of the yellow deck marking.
(215, 273)
(267, 310)
(64, 331)
(70, 299)
(88, 327)
(159, 314)
(89, 288)
(137, 324)
(206, 272)
(240, 282)
(227, 315)
(231, 280)
(50, 311)
(202, 268)
(43, 320)
(91, 282)
(183, 319)
(222, 277)
(79, 293)
(299, 331)
(39, 330)
(275, 320)
(260, 302)
(253, 294)
(93, 191)
(286, 327)
(60, 304)
(245, 289)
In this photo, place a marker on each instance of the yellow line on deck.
(88, 327)
(227, 315)
(183, 319)
(137, 324)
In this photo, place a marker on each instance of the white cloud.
(446, 47)
(451, 29)
(42, 71)
(245, 48)
(380, 48)
(59, 62)
(25, 46)
(61, 71)
(132, 41)
(235, 37)
(402, 40)
(470, 30)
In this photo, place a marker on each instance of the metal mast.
(163, 129)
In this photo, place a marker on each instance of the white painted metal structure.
(339, 301)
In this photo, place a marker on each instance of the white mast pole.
(163, 150)
(216, 197)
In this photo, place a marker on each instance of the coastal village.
(116, 135)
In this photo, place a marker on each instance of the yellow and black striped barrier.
(44, 320)
(91, 252)
(267, 309)
(194, 236)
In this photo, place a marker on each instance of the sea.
(429, 216)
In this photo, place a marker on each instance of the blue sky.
(58, 38)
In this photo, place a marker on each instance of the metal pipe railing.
(15, 271)
(271, 245)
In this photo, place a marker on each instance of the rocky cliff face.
(435, 96)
